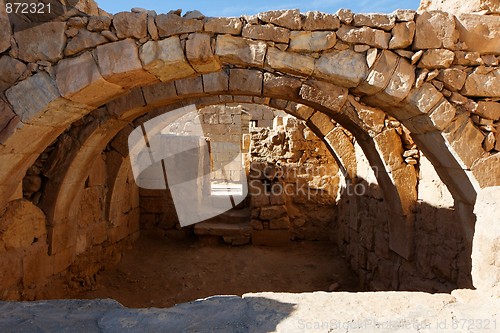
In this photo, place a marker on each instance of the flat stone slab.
(463, 311)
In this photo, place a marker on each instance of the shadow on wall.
(230, 314)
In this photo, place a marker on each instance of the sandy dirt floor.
(161, 273)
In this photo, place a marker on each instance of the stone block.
(435, 30)
(216, 82)
(344, 149)
(315, 20)
(200, 54)
(79, 80)
(365, 35)
(245, 81)
(289, 18)
(436, 59)
(172, 24)
(123, 106)
(390, 147)
(419, 101)
(189, 86)
(37, 265)
(165, 59)
(240, 51)
(84, 40)
(480, 84)
(453, 78)
(159, 93)
(380, 73)
(488, 110)
(292, 63)
(130, 25)
(11, 269)
(10, 71)
(119, 64)
(266, 32)
(324, 94)
(487, 171)
(479, 33)
(345, 68)
(223, 25)
(98, 23)
(321, 122)
(312, 41)
(377, 21)
(281, 86)
(44, 42)
(282, 223)
(272, 212)
(402, 35)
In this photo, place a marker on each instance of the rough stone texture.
(266, 32)
(240, 51)
(378, 21)
(479, 33)
(99, 23)
(284, 18)
(482, 85)
(84, 40)
(287, 62)
(488, 110)
(436, 58)
(200, 54)
(130, 25)
(453, 78)
(10, 71)
(5, 30)
(165, 59)
(224, 25)
(402, 35)
(485, 252)
(325, 94)
(435, 30)
(457, 6)
(320, 21)
(345, 68)
(487, 171)
(306, 41)
(171, 24)
(43, 42)
(364, 35)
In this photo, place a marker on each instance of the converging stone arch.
(293, 59)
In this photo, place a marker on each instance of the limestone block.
(171, 24)
(290, 62)
(380, 73)
(465, 139)
(165, 59)
(402, 35)
(159, 93)
(200, 54)
(5, 30)
(435, 30)
(300, 111)
(216, 82)
(84, 40)
(99, 23)
(364, 35)
(399, 85)
(436, 58)
(307, 41)
(405, 179)
(487, 171)
(245, 81)
(453, 78)
(373, 118)
(240, 51)
(485, 251)
(79, 80)
(488, 110)
(404, 15)
(189, 86)
(10, 71)
(119, 64)
(290, 19)
(42, 42)
(478, 84)
(320, 21)
(324, 94)
(345, 68)
(389, 146)
(130, 25)
(419, 101)
(124, 105)
(272, 212)
(266, 32)
(378, 21)
(479, 33)
(281, 86)
(223, 25)
(343, 147)
(22, 223)
(321, 122)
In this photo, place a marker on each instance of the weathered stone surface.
(378, 21)
(282, 223)
(390, 148)
(453, 78)
(91, 88)
(404, 15)
(482, 85)
(22, 223)
(99, 23)
(245, 81)
(165, 59)
(281, 86)
(346, 16)
(421, 101)
(8, 121)
(272, 212)
(130, 25)
(479, 33)
(10, 71)
(325, 94)
(465, 139)
(216, 82)
(488, 110)
(380, 73)
(402, 35)
(485, 252)
(289, 19)
(290, 62)
(189, 86)
(458, 7)
(364, 35)
(223, 25)
(436, 58)
(119, 64)
(43, 42)
(373, 118)
(159, 93)
(171, 24)
(468, 58)
(346, 68)
(321, 122)
(487, 171)
(200, 54)
(435, 30)
(5, 30)
(266, 32)
(307, 41)
(320, 21)
(240, 51)
(84, 40)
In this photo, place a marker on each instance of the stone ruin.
(400, 111)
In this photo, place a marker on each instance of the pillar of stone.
(486, 243)
(485, 7)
